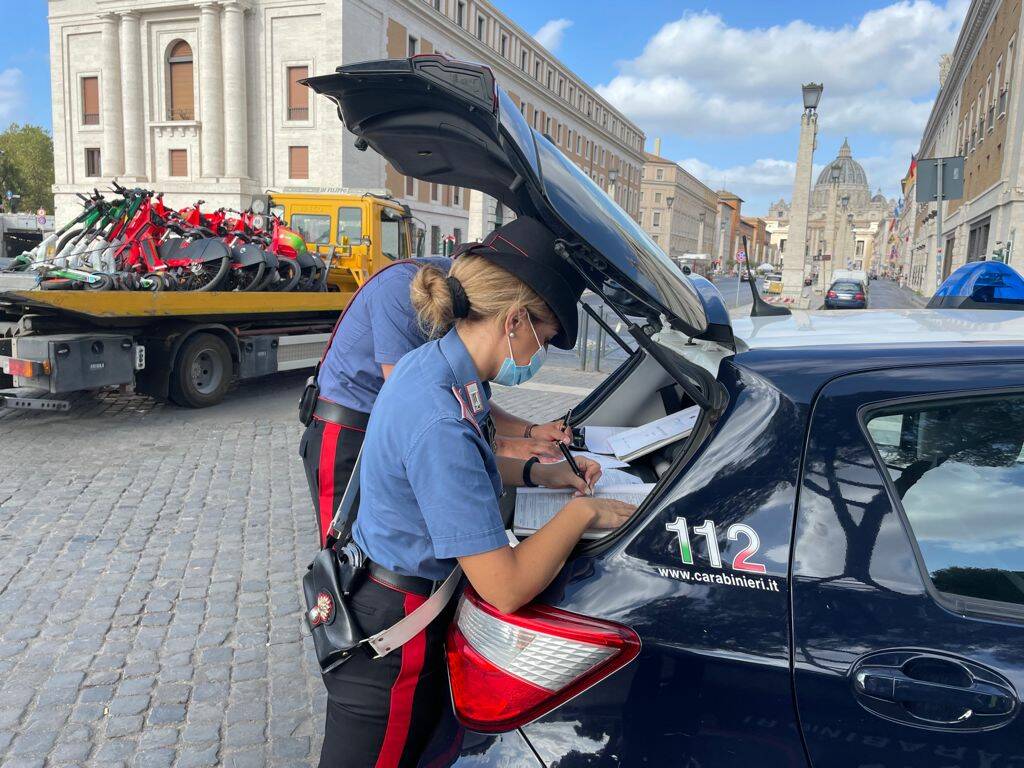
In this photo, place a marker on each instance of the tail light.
(832, 294)
(507, 670)
(859, 296)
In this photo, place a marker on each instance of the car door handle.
(889, 684)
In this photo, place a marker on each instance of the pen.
(565, 419)
(572, 462)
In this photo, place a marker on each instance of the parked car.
(828, 570)
(846, 294)
(773, 283)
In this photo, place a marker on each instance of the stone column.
(211, 90)
(112, 153)
(132, 105)
(236, 128)
(831, 231)
(796, 245)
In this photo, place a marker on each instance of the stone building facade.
(689, 224)
(843, 217)
(200, 100)
(977, 114)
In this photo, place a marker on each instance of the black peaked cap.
(526, 248)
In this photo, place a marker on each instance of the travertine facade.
(977, 115)
(842, 219)
(689, 224)
(237, 129)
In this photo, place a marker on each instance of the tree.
(26, 166)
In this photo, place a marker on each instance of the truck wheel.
(202, 372)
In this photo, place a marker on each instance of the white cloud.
(550, 35)
(766, 178)
(12, 94)
(697, 76)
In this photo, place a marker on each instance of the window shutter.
(182, 99)
(298, 162)
(178, 162)
(298, 94)
(90, 101)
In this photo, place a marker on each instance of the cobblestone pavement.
(150, 560)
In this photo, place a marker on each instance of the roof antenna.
(760, 307)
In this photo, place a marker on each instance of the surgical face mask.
(511, 373)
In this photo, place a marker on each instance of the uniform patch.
(473, 391)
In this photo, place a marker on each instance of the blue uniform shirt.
(428, 480)
(379, 327)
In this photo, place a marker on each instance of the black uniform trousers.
(381, 713)
(329, 453)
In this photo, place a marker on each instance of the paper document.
(597, 438)
(639, 441)
(616, 477)
(535, 506)
(606, 462)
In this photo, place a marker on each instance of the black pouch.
(329, 582)
(327, 586)
(307, 403)
(579, 438)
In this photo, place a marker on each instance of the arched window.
(181, 104)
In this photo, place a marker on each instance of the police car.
(830, 568)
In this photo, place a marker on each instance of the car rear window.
(958, 469)
(846, 287)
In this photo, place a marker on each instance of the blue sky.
(718, 82)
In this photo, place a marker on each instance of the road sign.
(741, 256)
(41, 221)
(928, 178)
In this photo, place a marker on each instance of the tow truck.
(189, 346)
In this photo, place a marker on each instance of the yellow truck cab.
(361, 231)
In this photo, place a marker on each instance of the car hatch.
(447, 122)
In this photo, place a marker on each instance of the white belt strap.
(400, 633)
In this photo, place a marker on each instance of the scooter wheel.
(156, 281)
(104, 283)
(288, 275)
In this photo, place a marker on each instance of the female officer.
(430, 485)
(377, 328)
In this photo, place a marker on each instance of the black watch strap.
(527, 467)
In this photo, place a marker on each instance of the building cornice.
(446, 26)
(978, 17)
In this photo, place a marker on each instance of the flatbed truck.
(187, 347)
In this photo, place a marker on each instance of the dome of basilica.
(851, 173)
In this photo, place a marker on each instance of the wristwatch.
(527, 467)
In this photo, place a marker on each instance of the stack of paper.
(633, 443)
(535, 506)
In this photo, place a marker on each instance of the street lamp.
(613, 176)
(812, 95)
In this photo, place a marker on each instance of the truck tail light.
(832, 294)
(26, 369)
(507, 670)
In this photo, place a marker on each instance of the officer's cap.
(526, 248)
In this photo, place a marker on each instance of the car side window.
(957, 466)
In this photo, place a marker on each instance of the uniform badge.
(323, 611)
(473, 391)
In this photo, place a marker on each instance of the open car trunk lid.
(447, 122)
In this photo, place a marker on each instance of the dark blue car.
(829, 570)
(846, 294)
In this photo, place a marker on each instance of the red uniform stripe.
(402, 693)
(325, 474)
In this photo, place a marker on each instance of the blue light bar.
(981, 285)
